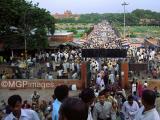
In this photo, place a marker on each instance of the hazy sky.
(96, 6)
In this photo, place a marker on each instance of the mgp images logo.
(26, 84)
(13, 84)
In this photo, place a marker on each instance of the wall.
(124, 80)
(44, 84)
(61, 38)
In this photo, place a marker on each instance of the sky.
(97, 6)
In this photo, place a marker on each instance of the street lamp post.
(124, 29)
(25, 38)
(25, 46)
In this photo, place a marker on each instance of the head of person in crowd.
(106, 92)
(15, 104)
(112, 93)
(148, 99)
(73, 109)
(145, 84)
(133, 81)
(101, 97)
(130, 100)
(35, 92)
(26, 105)
(61, 92)
(87, 96)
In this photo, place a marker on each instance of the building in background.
(66, 14)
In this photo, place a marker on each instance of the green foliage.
(78, 35)
(66, 20)
(72, 30)
(87, 31)
(132, 19)
(19, 19)
(132, 35)
(40, 37)
(141, 31)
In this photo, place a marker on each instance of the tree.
(19, 19)
(40, 41)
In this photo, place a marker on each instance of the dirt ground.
(45, 94)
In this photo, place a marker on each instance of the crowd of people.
(110, 104)
(65, 62)
(103, 36)
(103, 100)
(57, 64)
(146, 56)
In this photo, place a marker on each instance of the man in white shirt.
(50, 77)
(98, 80)
(75, 75)
(102, 109)
(148, 111)
(15, 103)
(134, 87)
(130, 108)
(111, 78)
(60, 73)
(48, 66)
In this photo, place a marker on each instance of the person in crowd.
(108, 97)
(134, 87)
(114, 109)
(102, 109)
(120, 100)
(50, 76)
(136, 98)
(35, 98)
(73, 109)
(40, 113)
(145, 84)
(75, 75)
(88, 97)
(26, 105)
(99, 81)
(2, 109)
(148, 110)
(60, 92)
(60, 73)
(17, 113)
(124, 93)
(130, 108)
(156, 92)
(140, 87)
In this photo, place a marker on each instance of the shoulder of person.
(28, 111)
(135, 102)
(126, 102)
(156, 115)
(8, 117)
(108, 103)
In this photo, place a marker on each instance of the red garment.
(154, 73)
(140, 88)
(26, 106)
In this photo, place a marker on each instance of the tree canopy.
(21, 20)
(136, 17)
